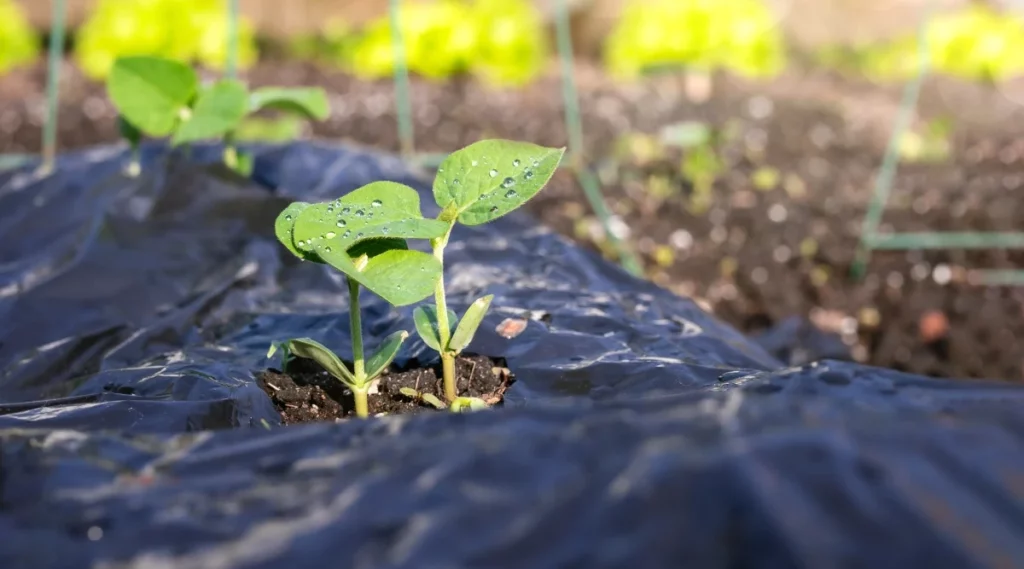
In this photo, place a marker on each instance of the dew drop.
(494, 208)
(385, 230)
(330, 208)
(475, 163)
(510, 194)
(360, 213)
(346, 234)
(358, 235)
(508, 183)
(455, 182)
(376, 203)
(494, 172)
(327, 249)
(331, 235)
(536, 163)
(342, 223)
(528, 174)
(287, 218)
(346, 209)
(515, 163)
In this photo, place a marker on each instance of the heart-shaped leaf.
(151, 92)
(427, 326)
(310, 102)
(219, 110)
(470, 322)
(377, 211)
(307, 348)
(490, 178)
(385, 355)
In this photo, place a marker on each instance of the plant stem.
(362, 407)
(357, 332)
(443, 326)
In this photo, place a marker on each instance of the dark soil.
(755, 256)
(308, 394)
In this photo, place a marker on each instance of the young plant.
(363, 234)
(475, 185)
(163, 98)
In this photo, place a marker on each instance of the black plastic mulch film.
(640, 432)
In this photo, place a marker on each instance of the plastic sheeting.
(640, 432)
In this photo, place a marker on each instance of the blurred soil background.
(766, 234)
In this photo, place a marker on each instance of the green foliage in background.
(977, 43)
(190, 31)
(740, 35)
(502, 42)
(18, 42)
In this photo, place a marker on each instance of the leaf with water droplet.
(480, 196)
(427, 326)
(398, 275)
(470, 322)
(283, 229)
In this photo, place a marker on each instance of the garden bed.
(749, 258)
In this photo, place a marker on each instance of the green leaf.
(151, 92)
(470, 403)
(385, 355)
(380, 211)
(427, 326)
(283, 227)
(490, 178)
(219, 110)
(310, 102)
(469, 324)
(311, 349)
(427, 397)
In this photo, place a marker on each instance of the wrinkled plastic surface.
(641, 432)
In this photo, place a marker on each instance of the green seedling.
(363, 234)
(460, 405)
(473, 186)
(159, 98)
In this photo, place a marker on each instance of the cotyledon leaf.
(309, 348)
(490, 178)
(470, 322)
(385, 355)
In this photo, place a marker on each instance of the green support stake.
(232, 55)
(55, 56)
(887, 172)
(403, 108)
(574, 130)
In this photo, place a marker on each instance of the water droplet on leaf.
(331, 235)
(494, 208)
(360, 213)
(346, 209)
(494, 172)
(346, 234)
(287, 218)
(341, 223)
(515, 163)
(528, 174)
(510, 194)
(376, 203)
(508, 183)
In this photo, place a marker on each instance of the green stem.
(443, 326)
(362, 406)
(357, 333)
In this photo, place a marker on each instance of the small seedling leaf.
(427, 397)
(310, 102)
(470, 322)
(461, 404)
(381, 211)
(219, 110)
(385, 355)
(311, 349)
(150, 92)
(283, 227)
(490, 178)
(425, 318)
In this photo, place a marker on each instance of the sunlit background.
(797, 167)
